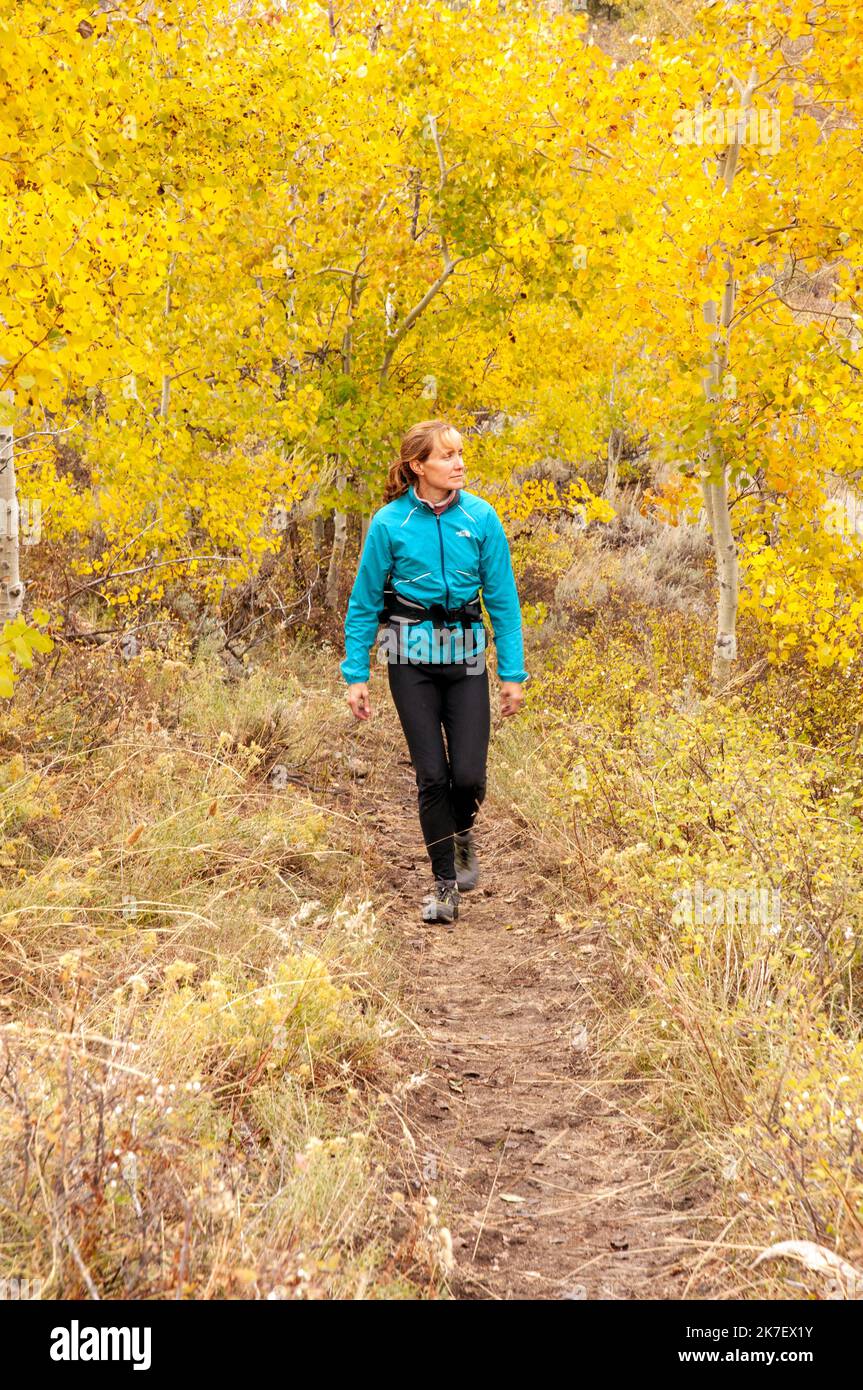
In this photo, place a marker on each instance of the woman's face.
(444, 467)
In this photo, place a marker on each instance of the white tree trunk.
(340, 537)
(11, 587)
(715, 483)
(615, 449)
(165, 399)
(725, 550)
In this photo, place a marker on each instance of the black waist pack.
(440, 615)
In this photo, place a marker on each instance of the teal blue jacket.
(433, 558)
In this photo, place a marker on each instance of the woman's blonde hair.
(415, 448)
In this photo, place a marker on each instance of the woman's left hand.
(511, 697)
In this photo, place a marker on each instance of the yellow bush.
(299, 1014)
(720, 854)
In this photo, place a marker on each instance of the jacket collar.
(423, 502)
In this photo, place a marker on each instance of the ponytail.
(416, 446)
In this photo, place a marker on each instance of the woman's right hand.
(358, 699)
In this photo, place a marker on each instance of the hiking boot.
(441, 905)
(466, 862)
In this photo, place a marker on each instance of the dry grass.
(637, 560)
(197, 996)
(746, 1027)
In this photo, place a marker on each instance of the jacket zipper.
(442, 565)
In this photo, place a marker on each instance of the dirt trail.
(510, 1108)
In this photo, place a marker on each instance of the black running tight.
(432, 698)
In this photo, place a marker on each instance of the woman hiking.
(428, 551)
